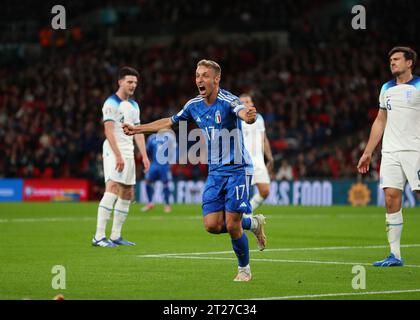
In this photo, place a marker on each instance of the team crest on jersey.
(409, 95)
(218, 117)
(235, 103)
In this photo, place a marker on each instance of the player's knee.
(112, 187)
(213, 228)
(264, 192)
(418, 194)
(233, 227)
(393, 201)
(127, 193)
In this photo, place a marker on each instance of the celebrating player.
(257, 144)
(398, 120)
(160, 169)
(118, 158)
(226, 195)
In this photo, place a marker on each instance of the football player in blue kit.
(160, 168)
(218, 113)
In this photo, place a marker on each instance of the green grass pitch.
(310, 255)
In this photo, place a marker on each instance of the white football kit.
(120, 111)
(401, 140)
(254, 143)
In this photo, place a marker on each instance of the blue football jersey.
(223, 131)
(161, 149)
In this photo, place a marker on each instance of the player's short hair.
(245, 95)
(210, 64)
(409, 54)
(127, 71)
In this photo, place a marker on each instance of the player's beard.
(397, 73)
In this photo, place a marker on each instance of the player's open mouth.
(201, 89)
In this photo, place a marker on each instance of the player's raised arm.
(147, 127)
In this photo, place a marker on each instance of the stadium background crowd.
(314, 79)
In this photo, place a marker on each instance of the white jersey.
(254, 140)
(121, 111)
(402, 103)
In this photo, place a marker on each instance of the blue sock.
(241, 248)
(149, 190)
(246, 225)
(166, 193)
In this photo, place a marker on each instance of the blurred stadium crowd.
(317, 89)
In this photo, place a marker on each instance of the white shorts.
(398, 167)
(127, 176)
(260, 175)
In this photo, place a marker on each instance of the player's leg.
(122, 207)
(214, 222)
(240, 245)
(255, 224)
(166, 177)
(411, 165)
(259, 197)
(127, 181)
(150, 180)
(150, 191)
(237, 204)
(262, 180)
(393, 181)
(106, 205)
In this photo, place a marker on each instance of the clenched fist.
(128, 129)
(250, 115)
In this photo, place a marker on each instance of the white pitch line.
(195, 217)
(93, 218)
(280, 250)
(323, 295)
(270, 260)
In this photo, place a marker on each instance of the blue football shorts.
(156, 173)
(227, 193)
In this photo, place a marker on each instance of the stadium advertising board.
(284, 193)
(11, 190)
(55, 190)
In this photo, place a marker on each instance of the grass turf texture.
(37, 236)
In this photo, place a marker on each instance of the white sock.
(104, 213)
(394, 226)
(256, 201)
(254, 224)
(120, 215)
(247, 268)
